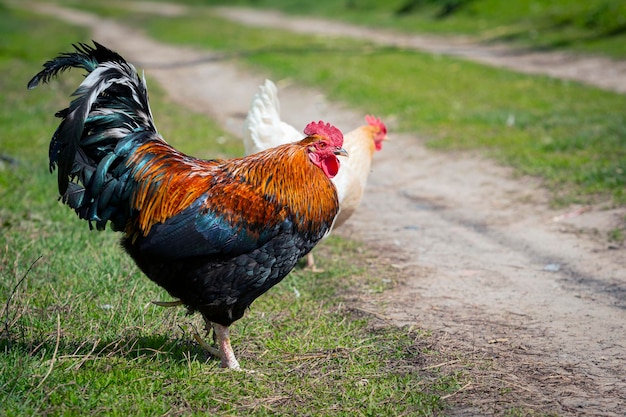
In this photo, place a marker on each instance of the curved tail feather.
(108, 118)
(263, 128)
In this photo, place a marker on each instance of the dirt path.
(483, 261)
(601, 72)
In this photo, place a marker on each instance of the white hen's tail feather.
(263, 128)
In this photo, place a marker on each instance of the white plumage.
(264, 129)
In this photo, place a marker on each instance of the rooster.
(216, 234)
(264, 129)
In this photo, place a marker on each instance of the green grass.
(79, 335)
(571, 135)
(597, 26)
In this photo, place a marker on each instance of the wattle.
(330, 166)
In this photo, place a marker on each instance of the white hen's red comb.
(376, 122)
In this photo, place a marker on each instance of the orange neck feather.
(261, 189)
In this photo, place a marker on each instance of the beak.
(340, 151)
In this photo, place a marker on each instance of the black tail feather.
(109, 107)
(85, 57)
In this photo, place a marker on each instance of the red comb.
(376, 122)
(325, 129)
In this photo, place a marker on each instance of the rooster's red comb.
(325, 129)
(376, 122)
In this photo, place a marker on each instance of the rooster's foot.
(204, 345)
(224, 351)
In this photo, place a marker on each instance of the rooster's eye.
(322, 145)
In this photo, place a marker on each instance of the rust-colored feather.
(261, 189)
(167, 183)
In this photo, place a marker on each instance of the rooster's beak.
(341, 151)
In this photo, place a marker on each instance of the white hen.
(263, 129)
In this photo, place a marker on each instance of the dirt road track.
(598, 71)
(483, 261)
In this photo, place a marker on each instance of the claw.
(224, 351)
(204, 345)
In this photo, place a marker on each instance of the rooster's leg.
(224, 351)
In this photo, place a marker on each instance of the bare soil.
(598, 71)
(534, 298)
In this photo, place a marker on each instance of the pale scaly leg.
(226, 350)
(310, 263)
